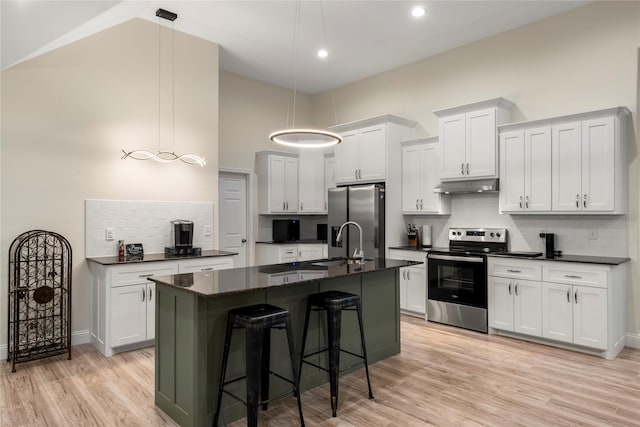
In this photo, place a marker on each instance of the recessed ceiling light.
(418, 11)
(322, 53)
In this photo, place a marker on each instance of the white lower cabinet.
(517, 305)
(581, 306)
(413, 282)
(123, 299)
(575, 314)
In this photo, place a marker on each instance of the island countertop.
(239, 280)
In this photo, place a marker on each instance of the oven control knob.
(459, 233)
(498, 235)
(492, 234)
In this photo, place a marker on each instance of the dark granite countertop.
(294, 242)
(113, 260)
(585, 259)
(238, 280)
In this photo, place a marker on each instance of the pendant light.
(166, 156)
(304, 138)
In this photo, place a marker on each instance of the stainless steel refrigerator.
(363, 204)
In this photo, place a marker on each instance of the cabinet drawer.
(418, 256)
(516, 269)
(129, 275)
(585, 275)
(288, 251)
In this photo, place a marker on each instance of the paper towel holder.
(425, 236)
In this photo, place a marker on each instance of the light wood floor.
(444, 376)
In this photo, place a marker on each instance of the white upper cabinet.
(468, 137)
(572, 164)
(420, 174)
(277, 183)
(525, 170)
(363, 154)
(311, 182)
(329, 178)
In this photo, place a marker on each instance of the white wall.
(68, 113)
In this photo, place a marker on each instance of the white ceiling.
(363, 37)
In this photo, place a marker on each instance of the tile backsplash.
(146, 222)
(572, 231)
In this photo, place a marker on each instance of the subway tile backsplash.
(146, 222)
(572, 231)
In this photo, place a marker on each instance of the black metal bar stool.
(334, 302)
(257, 321)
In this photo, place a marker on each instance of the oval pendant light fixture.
(166, 156)
(304, 138)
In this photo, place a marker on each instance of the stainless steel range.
(457, 285)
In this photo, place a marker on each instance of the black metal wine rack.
(39, 296)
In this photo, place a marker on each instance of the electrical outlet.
(109, 233)
(207, 230)
(593, 234)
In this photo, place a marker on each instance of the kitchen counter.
(212, 284)
(585, 259)
(114, 260)
(191, 317)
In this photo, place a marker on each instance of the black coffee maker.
(182, 239)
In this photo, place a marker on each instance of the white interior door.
(233, 215)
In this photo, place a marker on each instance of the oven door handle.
(457, 258)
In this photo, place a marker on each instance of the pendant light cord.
(292, 103)
(173, 88)
(324, 41)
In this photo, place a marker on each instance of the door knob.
(244, 240)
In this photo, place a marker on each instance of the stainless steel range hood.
(465, 187)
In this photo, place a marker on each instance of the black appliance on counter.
(457, 284)
(286, 230)
(321, 232)
(182, 239)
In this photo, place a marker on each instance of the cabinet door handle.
(360, 173)
(207, 269)
(568, 295)
(585, 201)
(420, 204)
(301, 206)
(408, 274)
(577, 200)
(520, 202)
(572, 276)
(150, 294)
(516, 288)
(526, 202)
(355, 173)
(513, 271)
(467, 168)
(417, 204)
(142, 276)
(404, 274)
(282, 205)
(575, 296)
(462, 168)
(143, 294)
(509, 287)
(325, 206)
(299, 254)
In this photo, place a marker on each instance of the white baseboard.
(77, 338)
(632, 340)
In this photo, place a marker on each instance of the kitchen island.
(191, 312)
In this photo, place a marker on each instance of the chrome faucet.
(359, 252)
